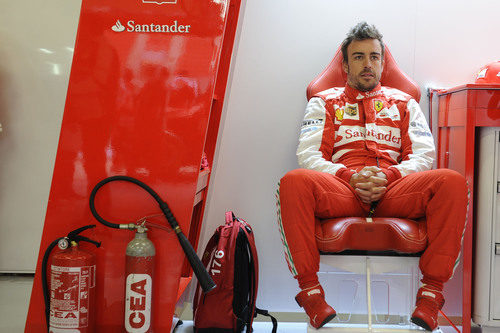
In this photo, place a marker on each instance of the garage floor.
(15, 295)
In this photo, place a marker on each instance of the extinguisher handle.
(75, 232)
(79, 238)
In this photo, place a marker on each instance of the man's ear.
(345, 66)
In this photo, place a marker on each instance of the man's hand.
(369, 193)
(369, 184)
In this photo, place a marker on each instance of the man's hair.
(361, 31)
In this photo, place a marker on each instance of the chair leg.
(357, 268)
(368, 293)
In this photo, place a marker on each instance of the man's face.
(364, 64)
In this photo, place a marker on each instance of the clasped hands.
(369, 184)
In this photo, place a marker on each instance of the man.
(362, 147)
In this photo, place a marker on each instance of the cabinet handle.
(497, 248)
(446, 159)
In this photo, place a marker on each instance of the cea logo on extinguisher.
(138, 303)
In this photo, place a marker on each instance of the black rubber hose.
(115, 178)
(76, 232)
(199, 270)
(45, 285)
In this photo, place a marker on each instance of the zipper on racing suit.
(374, 204)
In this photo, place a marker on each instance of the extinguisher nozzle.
(210, 287)
(199, 270)
(205, 280)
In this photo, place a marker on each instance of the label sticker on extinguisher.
(69, 292)
(138, 303)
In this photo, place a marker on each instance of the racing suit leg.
(442, 197)
(303, 197)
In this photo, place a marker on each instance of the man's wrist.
(345, 174)
(392, 174)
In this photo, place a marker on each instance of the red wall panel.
(138, 104)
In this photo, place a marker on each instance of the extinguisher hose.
(73, 236)
(199, 270)
(45, 285)
(124, 178)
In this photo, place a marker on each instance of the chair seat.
(376, 234)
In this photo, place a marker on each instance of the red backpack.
(230, 257)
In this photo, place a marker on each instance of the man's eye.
(357, 57)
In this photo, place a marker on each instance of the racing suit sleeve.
(417, 144)
(317, 137)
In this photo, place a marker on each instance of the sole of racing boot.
(420, 322)
(327, 320)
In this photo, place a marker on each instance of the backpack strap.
(254, 269)
(230, 217)
(254, 273)
(267, 314)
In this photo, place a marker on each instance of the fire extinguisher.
(69, 306)
(139, 282)
(140, 254)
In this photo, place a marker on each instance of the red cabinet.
(144, 99)
(462, 110)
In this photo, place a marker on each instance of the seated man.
(368, 148)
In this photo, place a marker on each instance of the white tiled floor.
(15, 293)
(261, 327)
(14, 301)
(264, 327)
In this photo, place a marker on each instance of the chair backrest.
(392, 76)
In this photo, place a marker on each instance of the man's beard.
(366, 87)
(357, 83)
(362, 87)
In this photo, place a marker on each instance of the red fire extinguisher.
(70, 301)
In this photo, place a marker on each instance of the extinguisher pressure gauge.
(63, 243)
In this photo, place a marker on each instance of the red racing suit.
(345, 130)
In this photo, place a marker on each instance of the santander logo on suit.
(390, 136)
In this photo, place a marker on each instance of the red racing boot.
(429, 302)
(313, 302)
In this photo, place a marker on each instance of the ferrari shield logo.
(339, 114)
(378, 104)
(351, 110)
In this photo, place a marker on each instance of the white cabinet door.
(495, 290)
(495, 258)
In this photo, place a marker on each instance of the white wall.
(283, 45)
(36, 49)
